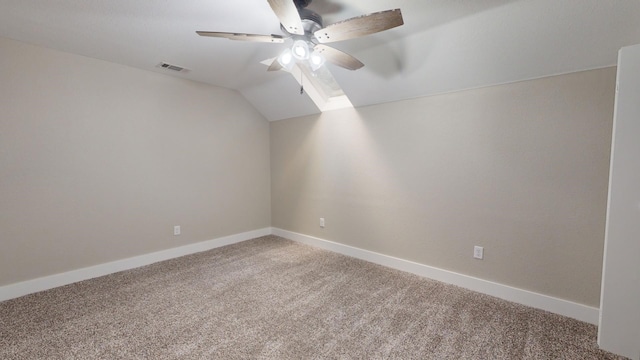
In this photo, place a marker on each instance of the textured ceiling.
(445, 45)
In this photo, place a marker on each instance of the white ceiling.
(445, 45)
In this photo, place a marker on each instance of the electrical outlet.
(321, 222)
(478, 252)
(176, 230)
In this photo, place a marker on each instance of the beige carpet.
(271, 298)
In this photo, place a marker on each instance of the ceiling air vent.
(172, 67)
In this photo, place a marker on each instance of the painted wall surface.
(619, 329)
(521, 169)
(99, 161)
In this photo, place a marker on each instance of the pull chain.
(301, 86)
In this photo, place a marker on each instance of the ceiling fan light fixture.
(316, 60)
(300, 50)
(286, 59)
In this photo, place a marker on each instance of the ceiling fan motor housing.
(311, 21)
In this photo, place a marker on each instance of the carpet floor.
(272, 298)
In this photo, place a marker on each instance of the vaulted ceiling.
(444, 46)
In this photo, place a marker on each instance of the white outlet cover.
(322, 222)
(478, 252)
(176, 230)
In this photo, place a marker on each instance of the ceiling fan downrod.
(301, 4)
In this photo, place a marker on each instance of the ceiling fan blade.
(360, 26)
(287, 13)
(243, 37)
(275, 65)
(338, 57)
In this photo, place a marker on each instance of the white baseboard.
(525, 297)
(48, 282)
(559, 306)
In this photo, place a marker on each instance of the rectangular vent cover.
(172, 67)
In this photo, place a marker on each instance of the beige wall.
(520, 169)
(98, 161)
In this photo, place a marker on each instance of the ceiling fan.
(309, 34)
